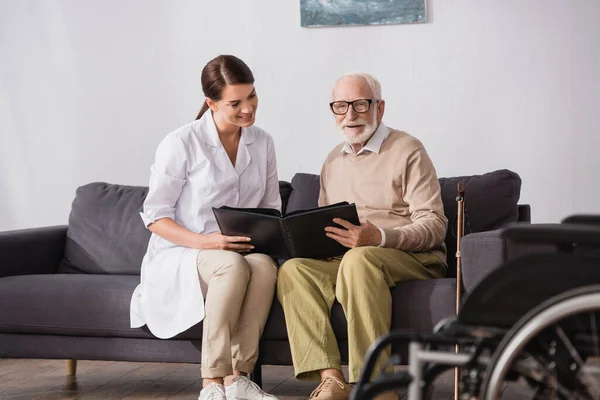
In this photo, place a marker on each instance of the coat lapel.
(211, 137)
(221, 159)
(219, 155)
(243, 156)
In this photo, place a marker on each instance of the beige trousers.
(238, 292)
(361, 282)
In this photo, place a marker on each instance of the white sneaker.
(213, 391)
(243, 388)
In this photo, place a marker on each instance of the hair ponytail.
(202, 110)
(219, 72)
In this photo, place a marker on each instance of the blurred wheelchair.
(534, 321)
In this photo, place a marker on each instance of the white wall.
(89, 88)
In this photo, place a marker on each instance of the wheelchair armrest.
(483, 252)
(582, 219)
(555, 234)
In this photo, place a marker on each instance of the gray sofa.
(65, 290)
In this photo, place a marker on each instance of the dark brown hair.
(221, 71)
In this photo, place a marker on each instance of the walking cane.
(460, 219)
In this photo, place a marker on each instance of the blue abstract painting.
(361, 12)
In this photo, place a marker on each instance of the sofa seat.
(417, 305)
(98, 306)
(73, 305)
(68, 304)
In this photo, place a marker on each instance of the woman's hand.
(218, 241)
(175, 233)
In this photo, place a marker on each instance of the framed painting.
(315, 13)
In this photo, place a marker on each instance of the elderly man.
(393, 182)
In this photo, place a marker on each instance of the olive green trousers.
(360, 281)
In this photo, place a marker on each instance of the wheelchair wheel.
(555, 348)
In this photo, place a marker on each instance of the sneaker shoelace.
(252, 385)
(325, 385)
(214, 392)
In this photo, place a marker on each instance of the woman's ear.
(212, 105)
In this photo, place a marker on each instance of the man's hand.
(365, 234)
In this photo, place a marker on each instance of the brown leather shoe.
(331, 388)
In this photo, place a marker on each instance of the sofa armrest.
(32, 251)
(586, 219)
(483, 252)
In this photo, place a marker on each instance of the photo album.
(297, 234)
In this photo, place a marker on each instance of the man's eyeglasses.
(361, 106)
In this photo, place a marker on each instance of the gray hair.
(370, 79)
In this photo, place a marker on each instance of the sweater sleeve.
(422, 194)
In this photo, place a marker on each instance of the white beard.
(368, 130)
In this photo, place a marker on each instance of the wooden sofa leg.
(71, 367)
(256, 375)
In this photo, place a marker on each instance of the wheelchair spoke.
(547, 386)
(589, 382)
(569, 346)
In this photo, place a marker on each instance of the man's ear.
(380, 109)
(211, 104)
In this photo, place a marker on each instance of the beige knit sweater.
(397, 190)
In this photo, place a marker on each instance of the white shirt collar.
(211, 135)
(373, 144)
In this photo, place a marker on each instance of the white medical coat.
(191, 174)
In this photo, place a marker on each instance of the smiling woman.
(220, 74)
(235, 109)
(191, 272)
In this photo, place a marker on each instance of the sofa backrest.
(491, 201)
(107, 236)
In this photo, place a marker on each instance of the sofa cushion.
(305, 192)
(98, 306)
(68, 304)
(72, 304)
(490, 200)
(417, 305)
(106, 234)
